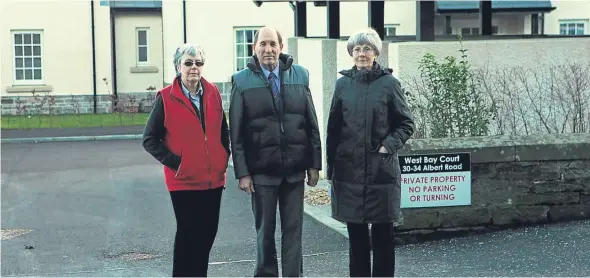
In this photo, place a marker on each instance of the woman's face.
(363, 56)
(191, 68)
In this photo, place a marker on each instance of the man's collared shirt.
(196, 100)
(276, 71)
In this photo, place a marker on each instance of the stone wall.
(141, 102)
(62, 104)
(516, 180)
(225, 91)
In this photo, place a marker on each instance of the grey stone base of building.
(141, 102)
(225, 91)
(76, 104)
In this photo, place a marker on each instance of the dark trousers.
(264, 205)
(197, 219)
(381, 240)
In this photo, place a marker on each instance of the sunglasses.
(191, 63)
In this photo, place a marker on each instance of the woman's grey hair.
(187, 48)
(366, 36)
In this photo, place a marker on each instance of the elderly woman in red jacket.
(188, 134)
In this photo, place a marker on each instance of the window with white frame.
(572, 27)
(244, 38)
(391, 30)
(142, 45)
(28, 56)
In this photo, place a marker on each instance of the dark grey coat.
(368, 110)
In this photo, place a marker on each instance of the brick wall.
(516, 180)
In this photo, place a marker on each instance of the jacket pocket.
(180, 173)
(383, 168)
(221, 163)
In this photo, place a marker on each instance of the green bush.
(454, 106)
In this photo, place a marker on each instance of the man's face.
(191, 68)
(267, 48)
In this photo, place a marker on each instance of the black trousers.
(197, 220)
(360, 242)
(289, 197)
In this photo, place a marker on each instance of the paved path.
(88, 204)
(66, 132)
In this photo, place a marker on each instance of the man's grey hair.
(366, 36)
(190, 49)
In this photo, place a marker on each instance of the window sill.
(29, 88)
(143, 69)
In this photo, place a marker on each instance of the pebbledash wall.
(516, 180)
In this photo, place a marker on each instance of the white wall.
(66, 45)
(567, 10)
(133, 77)
(314, 64)
(404, 57)
(173, 35)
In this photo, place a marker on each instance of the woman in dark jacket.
(369, 122)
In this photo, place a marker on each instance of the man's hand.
(312, 177)
(246, 184)
(382, 149)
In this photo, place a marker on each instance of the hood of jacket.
(368, 75)
(286, 61)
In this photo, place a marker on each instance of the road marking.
(278, 258)
(12, 233)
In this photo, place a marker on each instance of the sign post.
(435, 180)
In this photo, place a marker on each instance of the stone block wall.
(225, 91)
(61, 104)
(141, 102)
(516, 180)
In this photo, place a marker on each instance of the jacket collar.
(177, 92)
(367, 75)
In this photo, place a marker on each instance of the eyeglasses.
(191, 63)
(365, 49)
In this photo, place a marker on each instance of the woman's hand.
(382, 149)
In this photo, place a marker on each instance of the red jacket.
(203, 158)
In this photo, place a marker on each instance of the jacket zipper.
(206, 142)
(276, 109)
(178, 170)
(204, 133)
(367, 133)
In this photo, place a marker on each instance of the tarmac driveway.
(100, 209)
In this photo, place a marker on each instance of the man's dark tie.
(272, 79)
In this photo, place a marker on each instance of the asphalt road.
(90, 204)
(90, 207)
